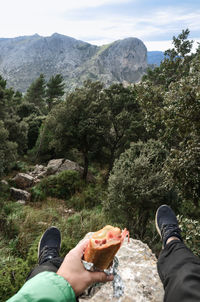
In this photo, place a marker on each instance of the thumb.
(81, 246)
(101, 277)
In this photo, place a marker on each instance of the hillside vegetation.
(141, 143)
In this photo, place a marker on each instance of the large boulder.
(23, 180)
(56, 166)
(137, 267)
(19, 194)
(69, 165)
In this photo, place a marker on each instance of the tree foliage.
(36, 93)
(76, 123)
(125, 120)
(136, 186)
(175, 64)
(8, 150)
(182, 170)
(55, 90)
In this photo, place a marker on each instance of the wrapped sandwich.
(103, 246)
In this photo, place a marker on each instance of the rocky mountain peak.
(23, 59)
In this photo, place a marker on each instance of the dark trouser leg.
(179, 271)
(50, 266)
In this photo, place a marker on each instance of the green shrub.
(4, 191)
(191, 233)
(137, 186)
(15, 270)
(91, 196)
(21, 166)
(63, 185)
(12, 277)
(37, 193)
(10, 217)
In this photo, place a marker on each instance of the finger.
(100, 277)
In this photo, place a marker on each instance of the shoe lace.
(170, 229)
(48, 253)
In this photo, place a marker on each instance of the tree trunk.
(110, 165)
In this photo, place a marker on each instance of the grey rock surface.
(22, 202)
(4, 182)
(19, 194)
(39, 172)
(38, 169)
(23, 59)
(69, 165)
(54, 165)
(137, 268)
(23, 180)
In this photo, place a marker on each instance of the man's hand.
(74, 272)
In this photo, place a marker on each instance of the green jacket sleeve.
(45, 287)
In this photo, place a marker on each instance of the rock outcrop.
(56, 166)
(29, 179)
(19, 194)
(23, 59)
(23, 180)
(137, 268)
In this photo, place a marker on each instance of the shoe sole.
(156, 223)
(43, 236)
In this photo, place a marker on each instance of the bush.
(15, 270)
(136, 186)
(63, 185)
(4, 190)
(91, 196)
(14, 274)
(191, 233)
(8, 150)
(21, 166)
(10, 217)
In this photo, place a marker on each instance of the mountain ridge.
(24, 58)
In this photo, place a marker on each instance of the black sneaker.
(49, 245)
(167, 224)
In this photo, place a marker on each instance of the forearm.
(46, 286)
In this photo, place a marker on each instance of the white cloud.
(30, 7)
(26, 17)
(158, 45)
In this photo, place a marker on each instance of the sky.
(100, 22)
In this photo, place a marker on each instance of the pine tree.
(55, 90)
(36, 93)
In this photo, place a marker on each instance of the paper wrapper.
(118, 287)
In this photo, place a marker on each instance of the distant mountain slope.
(23, 59)
(155, 57)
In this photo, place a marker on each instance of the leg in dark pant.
(179, 271)
(50, 266)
